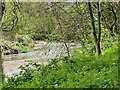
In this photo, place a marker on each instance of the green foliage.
(83, 70)
(26, 40)
(23, 48)
(63, 22)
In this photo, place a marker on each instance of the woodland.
(93, 24)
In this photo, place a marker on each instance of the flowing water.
(40, 53)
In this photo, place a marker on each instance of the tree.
(96, 40)
(109, 24)
(1, 60)
(2, 11)
(10, 20)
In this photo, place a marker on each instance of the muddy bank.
(12, 67)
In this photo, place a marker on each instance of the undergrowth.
(82, 70)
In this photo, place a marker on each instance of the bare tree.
(61, 30)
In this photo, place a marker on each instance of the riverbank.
(12, 67)
(21, 44)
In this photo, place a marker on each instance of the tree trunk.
(2, 8)
(111, 32)
(119, 45)
(110, 27)
(1, 68)
(97, 41)
(97, 46)
(99, 31)
(116, 30)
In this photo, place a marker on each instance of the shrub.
(23, 48)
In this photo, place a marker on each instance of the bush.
(23, 48)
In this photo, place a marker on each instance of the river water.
(40, 53)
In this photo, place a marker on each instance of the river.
(42, 52)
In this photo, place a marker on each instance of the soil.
(13, 67)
